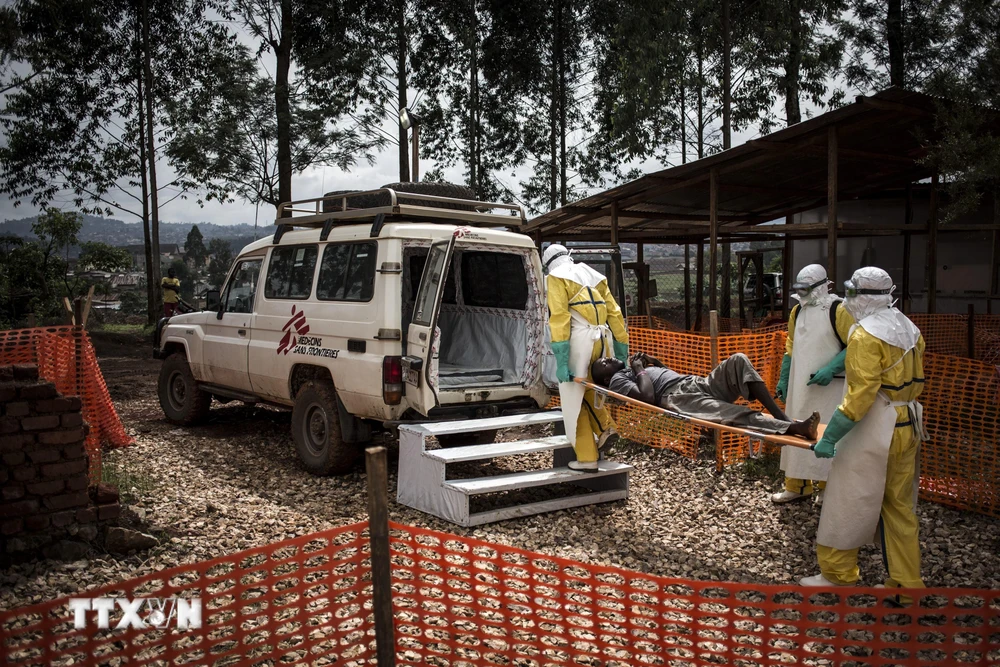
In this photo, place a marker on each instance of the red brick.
(10, 425)
(86, 515)
(72, 419)
(11, 526)
(64, 469)
(109, 511)
(20, 508)
(40, 423)
(60, 405)
(7, 393)
(47, 455)
(25, 371)
(13, 458)
(71, 452)
(69, 437)
(78, 483)
(66, 500)
(12, 492)
(46, 488)
(25, 473)
(63, 519)
(37, 522)
(15, 442)
(36, 392)
(19, 409)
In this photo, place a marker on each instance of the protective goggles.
(804, 288)
(554, 258)
(852, 290)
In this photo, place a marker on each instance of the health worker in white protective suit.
(586, 324)
(812, 373)
(874, 439)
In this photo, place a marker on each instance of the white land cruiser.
(365, 310)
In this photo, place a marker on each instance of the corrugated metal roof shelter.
(876, 143)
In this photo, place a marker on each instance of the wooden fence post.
(378, 534)
(713, 332)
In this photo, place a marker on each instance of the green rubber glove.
(786, 367)
(839, 426)
(621, 352)
(561, 352)
(825, 375)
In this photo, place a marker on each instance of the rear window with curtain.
(347, 272)
(494, 280)
(290, 272)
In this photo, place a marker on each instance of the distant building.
(168, 253)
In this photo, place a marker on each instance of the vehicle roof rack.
(310, 213)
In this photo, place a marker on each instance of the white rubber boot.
(786, 497)
(818, 497)
(589, 466)
(818, 580)
(609, 438)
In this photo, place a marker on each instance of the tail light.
(392, 380)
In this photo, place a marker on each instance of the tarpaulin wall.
(66, 358)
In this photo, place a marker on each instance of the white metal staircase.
(423, 484)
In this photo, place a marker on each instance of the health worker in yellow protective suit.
(586, 324)
(812, 373)
(874, 439)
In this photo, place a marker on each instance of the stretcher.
(757, 439)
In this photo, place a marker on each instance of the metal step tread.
(496, 449)
(540, 507)
(520, 480)
(488, 424)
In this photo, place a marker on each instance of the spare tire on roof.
(433, 188)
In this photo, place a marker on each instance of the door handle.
(242, 332)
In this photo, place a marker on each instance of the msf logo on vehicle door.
(296, 341)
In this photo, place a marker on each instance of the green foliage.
(222, 260)
(133, 303)
(194, 247)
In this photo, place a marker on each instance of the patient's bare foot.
(808, 429)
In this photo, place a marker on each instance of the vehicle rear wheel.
(316, 431)
(464, 439)
(181, 398)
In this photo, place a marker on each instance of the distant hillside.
(119, 233)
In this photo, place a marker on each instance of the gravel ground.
(235, 483)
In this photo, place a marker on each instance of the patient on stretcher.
(709, 398)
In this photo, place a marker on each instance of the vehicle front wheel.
(181, 398)
(316, 431)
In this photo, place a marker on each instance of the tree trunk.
(727, 75)
(154, 206)
(473, 132)
(793, 65)
(553, 113)
(151, 314)
(894, 37)
(684, 147)
(282, 107)
(563, 100)
(701, 100)
(404, 163)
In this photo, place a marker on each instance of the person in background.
(811, 375)
(171, 288)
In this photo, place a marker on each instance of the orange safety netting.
(948, 333)
(66, 358)
(726, 324)
(302, 601)
(463, 602)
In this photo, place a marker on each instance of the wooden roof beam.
(820, 151)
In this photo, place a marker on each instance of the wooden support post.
(972, 331)
(786, 270)
(699, 300)
(742, 282)
(640, 277)
(378, 534)
(832, 193)
(932, 224)
(614, 222)
(713, 247)
(713, 332)
(86, 307)
(687, 286)
(907, 242)
(993, 289)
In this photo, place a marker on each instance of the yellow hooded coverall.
(598, 307)
(867, 357)
(844, 324)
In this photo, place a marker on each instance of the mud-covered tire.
(465, 439)
(182, 400)
(423, 188)
(316, 431)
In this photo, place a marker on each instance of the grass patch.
(134, 329)
(131, 482)
(766, 468)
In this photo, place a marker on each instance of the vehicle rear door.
(421, 347)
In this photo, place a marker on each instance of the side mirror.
(212, 299)
(651, 289)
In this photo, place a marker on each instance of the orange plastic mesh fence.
(66, 358)
(302, 601)
(726, 324)
(459, 601)
(948, 333)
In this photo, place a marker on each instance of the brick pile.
(44, 497)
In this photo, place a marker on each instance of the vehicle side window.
(494, 280)
(290, 272)
(417, 270)
(242, 287)
(347, 272)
